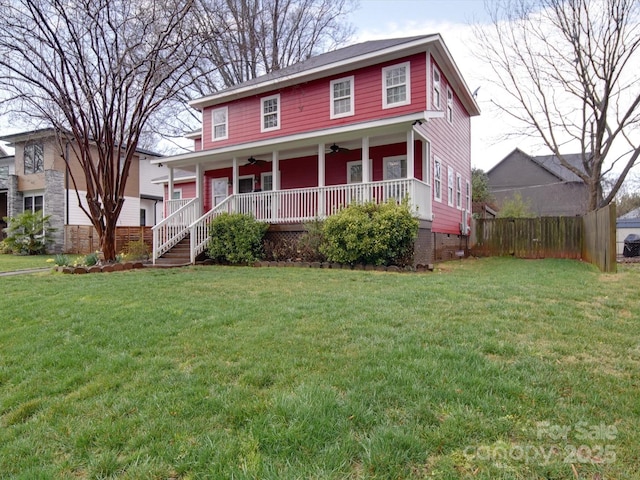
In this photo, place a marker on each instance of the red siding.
(451, 143)
(305, 107)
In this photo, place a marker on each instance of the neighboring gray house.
(548, 188)
(626, 224)
(6, 169)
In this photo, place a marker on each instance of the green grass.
(286, 373)
(11, 263)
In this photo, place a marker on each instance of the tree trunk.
(108, 241)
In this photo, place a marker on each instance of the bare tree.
(243, 39)
(569, 70)
(96, 70)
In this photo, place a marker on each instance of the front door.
(220, 189)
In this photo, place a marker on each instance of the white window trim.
(459, 191)
(386, 160)
(437, 198)
(32, 195)
(407, 99)
(213, 124)
(349, 165)
(176, 190)
(263, 115)
(449, 113)
(426, 162)
(351, 111)
(450, 186)
(437, 87)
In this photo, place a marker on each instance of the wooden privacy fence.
(83, 239)
(591, 238)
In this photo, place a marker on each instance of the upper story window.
(270, 113)
(436, 88)
(396, 85)
(449, 105)
(33, 158)
(450, 180)
(342, 97)
(437, 179)
(219, 124)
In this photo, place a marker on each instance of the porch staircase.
(177, 256)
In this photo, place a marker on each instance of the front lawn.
(485, 369)
(11, 263)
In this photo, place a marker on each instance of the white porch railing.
(175, 205)
(290, 206)
(174, 228)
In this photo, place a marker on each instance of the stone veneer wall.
(15, 202)
(54, 206)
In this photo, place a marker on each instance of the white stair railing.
(199, 229)
(174, 228)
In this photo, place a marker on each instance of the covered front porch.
(332, 175)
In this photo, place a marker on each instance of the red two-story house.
(380, 120)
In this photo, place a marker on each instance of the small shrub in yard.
(136, 250)
(310, 242)
(91, 259)
(236, 238)
(370, 233)
(5, 248)
(61, 260)
(29, 233)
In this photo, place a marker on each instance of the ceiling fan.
(254, 161)
(335, 149)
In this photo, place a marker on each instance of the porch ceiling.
(306, 144)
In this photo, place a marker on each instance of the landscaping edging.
(109, 267)
(334, 266)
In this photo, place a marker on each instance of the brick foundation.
(446, 246)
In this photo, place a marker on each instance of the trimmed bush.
(236, 238)
(371, 234)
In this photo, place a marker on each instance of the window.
(396, 85)
(468, 197)
(436, 88)
(437, 179)
(219, 189)
(270, 113)
(33, 203)
(219, 123)
(342, 97)
(246, 184)
(33, 158)
(449, 105)
(426, 162)
(450, 180)
(4, 176)
(177, 194)
(395, 168)
(143, 217)
(267, 181)
(458, 191)
(354, 172)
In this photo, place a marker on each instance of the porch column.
(199, 189)
(366, 170)
(168, 210)
(234, 176)
(410, 155)
(275, 198)
(321, 180)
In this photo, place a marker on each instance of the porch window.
(396, 85)
(177, 194)
(219, 123)
(33, 203)
(342, 97)
(267, 181)
(437, 179)
(245, 184)
(458, 191)
(270, 113)
(354, 172)
(395, 168)
(436, 88)
(33, 158)
(449, 105)
(450, 180)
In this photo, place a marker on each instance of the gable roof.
(350, 58)
(551, 164)
(632, 215)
